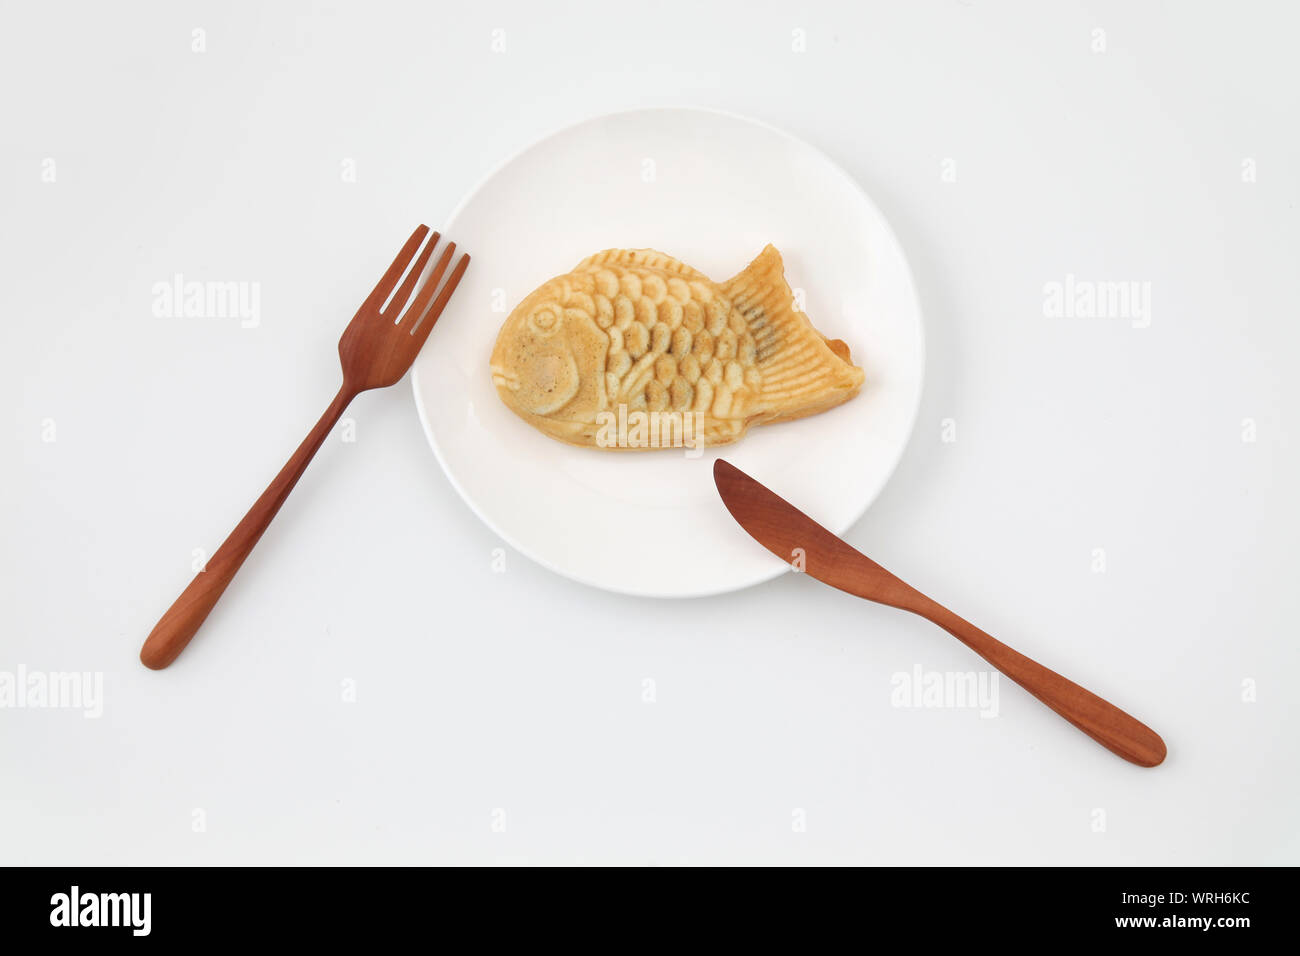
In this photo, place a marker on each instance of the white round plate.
(710, 189)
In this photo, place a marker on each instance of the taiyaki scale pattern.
(634, 335)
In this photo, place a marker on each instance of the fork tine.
(416, 311)
(404, 290)
(421, 331)
(385, 286)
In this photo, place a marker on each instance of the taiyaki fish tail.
(803, 372)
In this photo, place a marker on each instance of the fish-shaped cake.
(634, 349)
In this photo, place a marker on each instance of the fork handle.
(175, 629)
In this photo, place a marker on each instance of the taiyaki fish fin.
(721, 431)
(803, 372)
(641, 259)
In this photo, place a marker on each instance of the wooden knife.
(795, 538)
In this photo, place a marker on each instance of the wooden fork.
(376, 349)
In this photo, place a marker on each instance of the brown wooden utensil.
(376, 349)
(790, 534)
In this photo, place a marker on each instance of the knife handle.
(1099, 719)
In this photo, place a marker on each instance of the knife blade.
(800, 541)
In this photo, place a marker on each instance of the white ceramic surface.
(711, 189)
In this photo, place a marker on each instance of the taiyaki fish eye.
(545, 321)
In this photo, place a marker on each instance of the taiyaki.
(634, 349)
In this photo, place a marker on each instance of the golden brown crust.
(633, 336)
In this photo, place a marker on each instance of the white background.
(518, 697)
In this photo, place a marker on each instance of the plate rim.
(780, 567)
